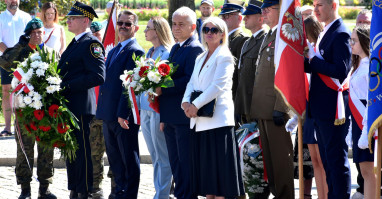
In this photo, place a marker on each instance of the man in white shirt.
(9, 36)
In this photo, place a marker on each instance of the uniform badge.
(96, 50)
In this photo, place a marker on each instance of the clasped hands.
(190, 110)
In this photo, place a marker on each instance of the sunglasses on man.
(127, 24)
(212, 30)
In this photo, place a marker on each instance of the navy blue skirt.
(359, 155)
(215, 163)
(308, 131)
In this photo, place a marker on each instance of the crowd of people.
(218, 66)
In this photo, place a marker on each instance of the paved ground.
(9, 188)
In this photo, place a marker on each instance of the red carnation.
(62, 128)
(142, 72)
(38, 139)
(53, 110)
(45, 128)
(164, 69)
(27, 128)
(19, 113)
(39, 114)
(33, 127)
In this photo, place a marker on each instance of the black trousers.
(80, 170)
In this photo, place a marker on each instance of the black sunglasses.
(213, 30)
(127, 24)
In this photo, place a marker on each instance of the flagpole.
(300, 158)
(378, 170)
(115, 6)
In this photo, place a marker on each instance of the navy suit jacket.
(335, 49)
(81, 70)
(112, 102)
(171, 99)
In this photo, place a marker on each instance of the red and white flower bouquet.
(40, 109)
(148, 75)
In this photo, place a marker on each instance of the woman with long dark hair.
(54, 33)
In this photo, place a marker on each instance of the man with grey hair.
(120, 131)
(174, 122)
(364, 17)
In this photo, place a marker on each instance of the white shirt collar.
(326, 28)
(256, 33)
(181, 43)
(77, 37)
(10, 14)
(232, 31)
(274, 28)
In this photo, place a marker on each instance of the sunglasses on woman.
(212, 30)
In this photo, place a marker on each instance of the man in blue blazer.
(120, 131)
(176, 124)
(82, 67)
(331, 59)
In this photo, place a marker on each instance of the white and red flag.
(290, 78)
(110, 38)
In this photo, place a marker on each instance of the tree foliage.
(175, 4)
(63, 6)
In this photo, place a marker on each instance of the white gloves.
(311, 52)
(291, 124)
(363, 142)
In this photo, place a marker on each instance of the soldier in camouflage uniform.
(33, 36)
(97, 142)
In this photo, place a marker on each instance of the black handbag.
(208, 109)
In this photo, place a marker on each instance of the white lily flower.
(15, 82)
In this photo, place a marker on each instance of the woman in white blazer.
(215, 166)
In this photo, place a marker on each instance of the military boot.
(25, 191)
(44, 193)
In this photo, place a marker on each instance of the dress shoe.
(73, 195)
(44, 193)
(25, 194)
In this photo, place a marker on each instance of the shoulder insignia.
(96, 50)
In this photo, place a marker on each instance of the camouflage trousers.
(97, 145)
(45, 168)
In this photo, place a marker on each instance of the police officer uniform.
(45, 155)
(82, 67)
(270, 110)
(247, 66)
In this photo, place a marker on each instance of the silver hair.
(186, 11)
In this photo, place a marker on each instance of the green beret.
(33, 24)
(96, 26)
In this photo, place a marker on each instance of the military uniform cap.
(95, 26)
(80, 9)
(269, 3)
(231, 6)
(254, 7)
(33, 24)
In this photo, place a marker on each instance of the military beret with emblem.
(80, 9)
(231, 6)
(33, 24)
(269, 3)
(254, 7)
(96, 26)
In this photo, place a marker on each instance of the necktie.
(115, 53)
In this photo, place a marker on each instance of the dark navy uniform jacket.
(335, 49)
(82, 67)
(112, 102)
(171, 99)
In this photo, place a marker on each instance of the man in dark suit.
(270, 111)
(120, 131)
(174, 122)
(231, 14)
(82, 67)
(332, 60)
(247, 62)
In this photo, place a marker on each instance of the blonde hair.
(163, 30)
(221, 25)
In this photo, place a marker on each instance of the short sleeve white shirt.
(12, 26)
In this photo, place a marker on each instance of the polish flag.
(290, 78)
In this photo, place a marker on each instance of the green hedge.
(348, 13)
